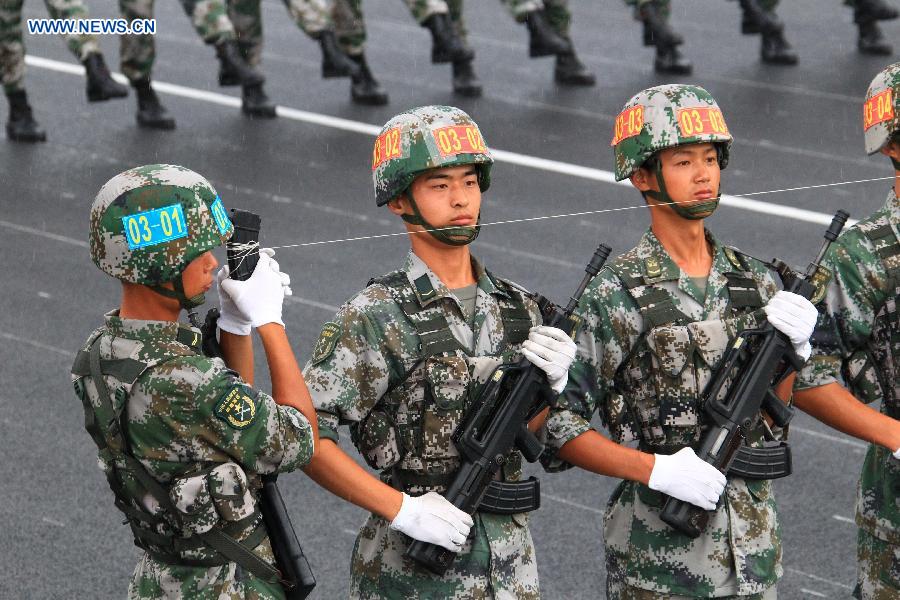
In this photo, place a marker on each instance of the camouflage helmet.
(881, 111)
(428, 137)
(149, 222)
(663, 117)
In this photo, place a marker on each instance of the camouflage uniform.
(12, 48)
(644, 379)
(858, 345)
(367, 372)
(137, 52)
(182, 439)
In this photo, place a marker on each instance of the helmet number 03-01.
(155, 226)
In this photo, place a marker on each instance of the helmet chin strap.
(178, 294)
(452, 236)
(694, 211)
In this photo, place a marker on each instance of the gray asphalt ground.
(794, 127)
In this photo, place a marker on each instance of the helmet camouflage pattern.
(428, 137)
(149, 222)
(881, 112)
(663, 117)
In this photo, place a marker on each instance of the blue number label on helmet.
(220, 216)
(155, 226)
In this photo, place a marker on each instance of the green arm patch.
(331, 332)
(820, 279)
(237, 407)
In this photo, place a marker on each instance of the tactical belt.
(771, 461)
(501, 497)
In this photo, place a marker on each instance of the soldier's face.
(447, 197)
(692, 175)
(892, 149)
(197, 277)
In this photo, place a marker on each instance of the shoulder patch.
(733, 257)
(237, 407)
(331, 332)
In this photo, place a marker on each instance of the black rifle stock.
(297, 577)
(742, 387)
(498, 422)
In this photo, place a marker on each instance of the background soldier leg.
(137, 53)
(544, 38)
(436, 15)
(758, 16)
(464, 80)
(655, 16)
(100, 84)
(315, 18)
(247, 19)
(866, 14)
(212, 22)
(569, 70)
(878, 568)
(350, 29)
(20, 126)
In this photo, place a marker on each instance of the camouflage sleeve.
(349, 370)
(859, 285)
(218, 414)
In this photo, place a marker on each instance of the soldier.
(758, 16)
(857, 345)
(182, 438)
(21, 125)
(656, 322)
(350, 28)
(213, 22)
(316, 19)
(866, 14)
(402, 361)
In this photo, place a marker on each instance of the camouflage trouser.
(12, 47)
(213, 20)
(496, 562)
(557, 12)
(878, 569)
(312, 16)
(665, 7)
(626, 592)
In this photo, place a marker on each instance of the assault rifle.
(297, 577)
(497, 423)
(741, 387)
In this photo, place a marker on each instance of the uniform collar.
(152, 331)
(893, 204)
(658, 266)
(428, 287)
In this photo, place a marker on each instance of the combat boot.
(364, 89)
(151, 113)
(465, 81)
(446, 45)
(545, 41)
(656, 29)
(21, 126)
(334, 62)
(255, 103)
(871, 41)
(755, 19)
(669, 61)
(100, 84)
(571, 71)
(873, 10)
(776, 50)
(233, 69)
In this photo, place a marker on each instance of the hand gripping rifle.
(742, 386)
(497, 423)
(296, 575)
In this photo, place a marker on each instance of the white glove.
(794, 316)
(230, 318)
(552, 351)
(684, 476)
(259, 299)
(897, 454)
(432, 518)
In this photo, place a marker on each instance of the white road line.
(524, 160)
(15, 338)
(813, 593)
(822, 579)
(305, 301)
(843, 519)
(570, 503)
(46, 234)
(53, 521)
(840, 439)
